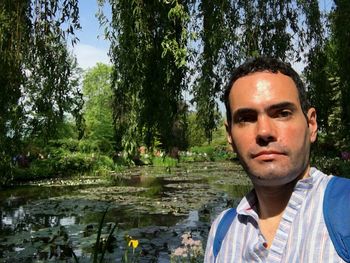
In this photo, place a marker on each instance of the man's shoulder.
(320, 179)
(337, 214)
(324, 178)
(219, 217)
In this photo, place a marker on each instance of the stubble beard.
(276, 173)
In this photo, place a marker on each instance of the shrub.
(88, 146)
(207, 153)
(75, 162)
(38, 169)
(65, 144)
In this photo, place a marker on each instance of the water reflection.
(67, 221)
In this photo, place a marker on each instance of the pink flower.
(180, 252)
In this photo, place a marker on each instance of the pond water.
(52, 220)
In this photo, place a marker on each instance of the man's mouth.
(266, 155)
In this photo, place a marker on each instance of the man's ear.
(312, 122)
(228, 133)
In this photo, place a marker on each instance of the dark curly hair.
(269, 64)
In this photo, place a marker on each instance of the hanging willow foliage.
(233, 31)
(156, 56)
(27, 29)
(159, 49)
(148, 50)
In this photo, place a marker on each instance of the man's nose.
(265, 130)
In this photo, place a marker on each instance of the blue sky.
(92, 47)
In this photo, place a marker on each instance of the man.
(271, 126)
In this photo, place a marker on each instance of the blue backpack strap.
(222, 229)
(336, 212)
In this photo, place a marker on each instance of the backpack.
(336, 212)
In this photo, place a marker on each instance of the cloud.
(88, 55)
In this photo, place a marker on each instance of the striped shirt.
(302, 235)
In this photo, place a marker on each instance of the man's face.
(268, 130)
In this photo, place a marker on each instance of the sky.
(92, 47)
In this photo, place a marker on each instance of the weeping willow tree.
(233, 31)
(148, 51)
(11, 77)
(30, 31)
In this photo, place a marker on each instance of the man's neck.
(272, 201)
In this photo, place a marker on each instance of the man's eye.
(246, 118)
(283, 114)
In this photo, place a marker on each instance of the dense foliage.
(148, 51)
(36, 72)
(329, 85)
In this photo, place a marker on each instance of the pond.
(55, 219)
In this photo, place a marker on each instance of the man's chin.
(271, 177)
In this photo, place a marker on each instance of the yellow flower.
(133, 243)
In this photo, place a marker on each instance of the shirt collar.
(248, 205)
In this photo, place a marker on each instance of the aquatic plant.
(98, 245)
(132, 244)
(190, 250)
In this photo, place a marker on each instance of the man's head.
(269, 121)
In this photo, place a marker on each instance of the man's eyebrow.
(243, 111)
(283, 105)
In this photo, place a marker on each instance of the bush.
(65, 163)
(75, 163)
(64, 144)
(6, 169)
(88, 146)
(84, 146)
(39, 169)
(344, 169)
(209, 150)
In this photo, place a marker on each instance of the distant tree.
(196, 133)
(98, 111)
